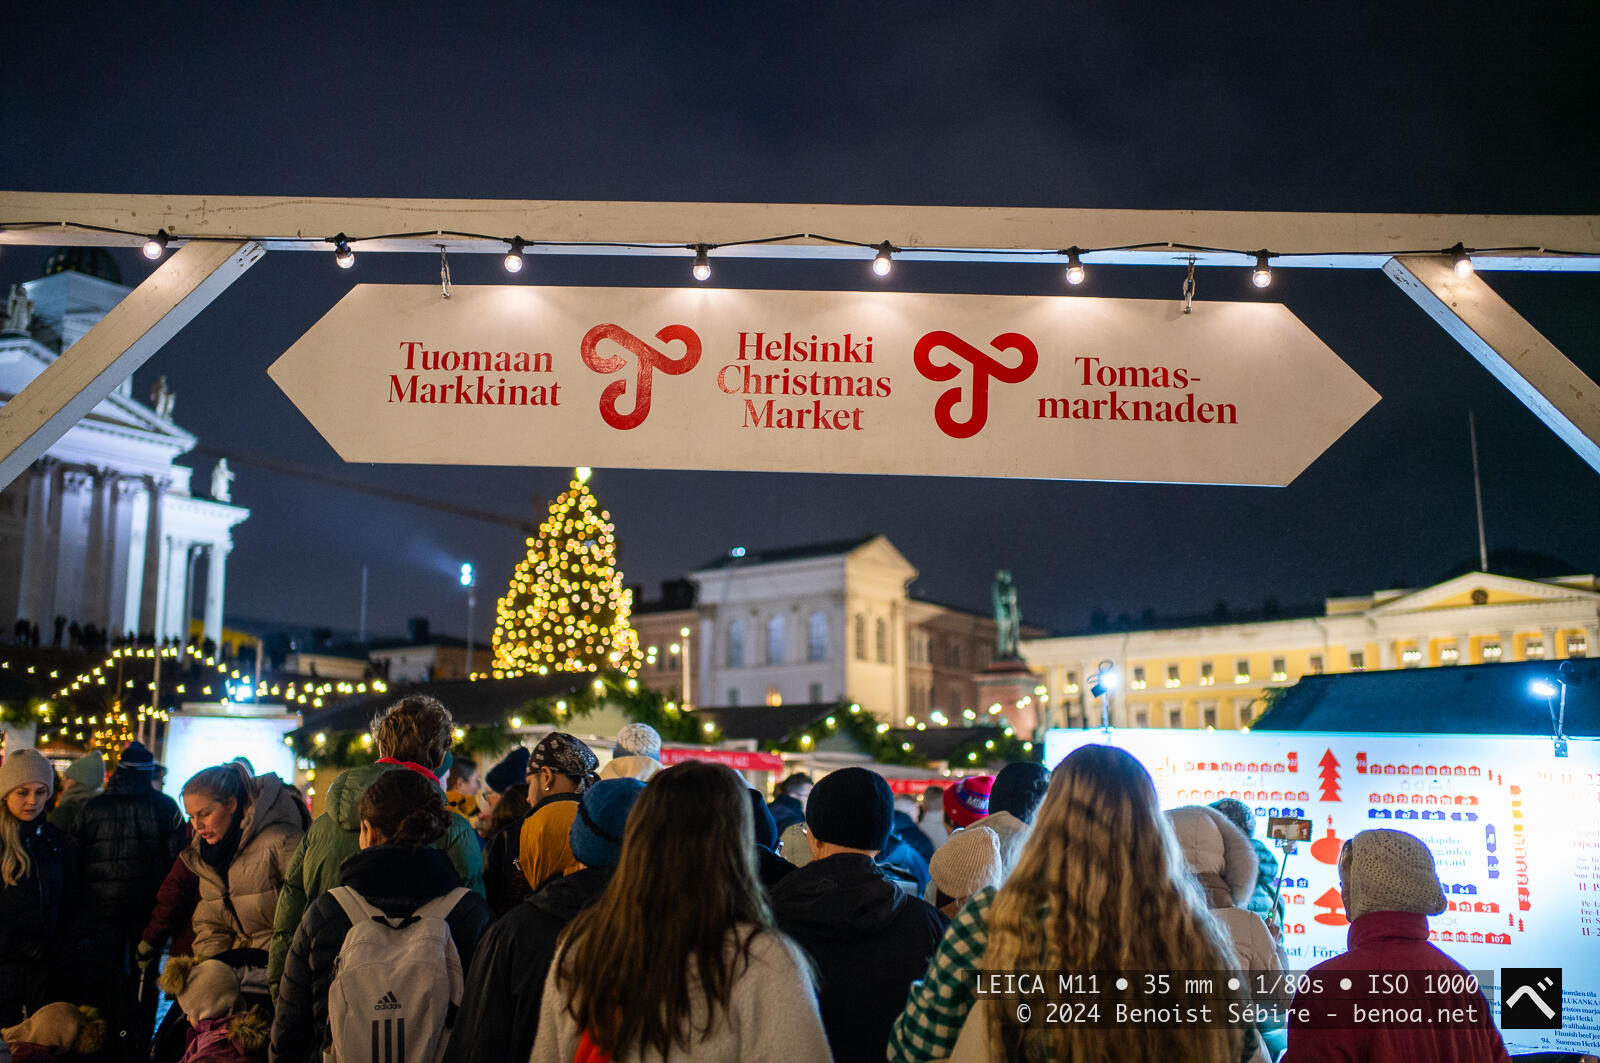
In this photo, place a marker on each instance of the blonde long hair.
(15, 863)
(1102, 887)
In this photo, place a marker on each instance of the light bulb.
(513, 258)
(702, 263)
(1075, 273)
(1263, 272)
(342, 255)
(156, 246)
(1459, 261)
(880, 262)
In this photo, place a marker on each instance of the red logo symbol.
(983, 369)
(650, 360)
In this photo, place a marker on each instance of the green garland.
(348, 749)
(870, 737)
(879, 742)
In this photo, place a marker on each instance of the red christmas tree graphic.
(1334, 916)
(1329, 776)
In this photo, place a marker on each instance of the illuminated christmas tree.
(566, 609)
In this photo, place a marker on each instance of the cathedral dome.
(92, 261)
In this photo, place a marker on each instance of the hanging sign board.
(857, 382)
(1514, 831)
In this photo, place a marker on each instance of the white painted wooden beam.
(993, 234)
(1546, 381)
(150, 315)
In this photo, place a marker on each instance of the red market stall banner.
(1514, 830)
(737, 759)
(851, 382)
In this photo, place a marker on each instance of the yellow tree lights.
(566, 609)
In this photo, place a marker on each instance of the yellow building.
(1221, 674)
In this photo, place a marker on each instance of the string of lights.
(883, 252)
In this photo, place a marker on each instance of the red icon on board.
(1328, 778)
(1326, 848)
(984, 368)
(650, 360)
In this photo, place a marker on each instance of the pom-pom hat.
(968, 801)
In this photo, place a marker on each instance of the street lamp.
(472, 600)
(688, 689)
(1103, 683)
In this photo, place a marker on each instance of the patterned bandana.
(565, 755)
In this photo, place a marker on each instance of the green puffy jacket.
(332, 839)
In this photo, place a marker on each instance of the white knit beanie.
(967, 863)
(1388, 871)
(25, 766)
(639, 740)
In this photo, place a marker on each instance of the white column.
(177, 594)
(154, 552)
(96, 568)
(72, 544)
(31, 594)
(216, 574)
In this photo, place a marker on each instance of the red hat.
(968, 800)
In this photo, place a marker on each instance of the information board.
(1514, 830)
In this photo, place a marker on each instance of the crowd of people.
(551, 910)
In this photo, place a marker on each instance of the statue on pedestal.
(163, 399)
(19, 310)
(222, 481)
(1007, 617)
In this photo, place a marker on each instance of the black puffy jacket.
(127, 837)
(33, 914)
(399, 879)
(500, 1010)
(869, 940)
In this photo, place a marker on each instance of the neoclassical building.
(105, 530)
(1219, 674)
(814, 624)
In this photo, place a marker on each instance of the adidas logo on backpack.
(410, 967)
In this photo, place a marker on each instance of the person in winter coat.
(412, 735)
(560, 769)
(500, 1008)
(398, 868)
(637, 754)
(38, 876)
(127, 837)
(502, 877)
(1389, 888)
(1013, 802)
(224, 1028)
(1224, 864)
(245, 833)
(770, 867)
(173, 917)
(789, 803)
(1102, 886)
(868, 938)
(85, 778)
(679, 958)
(1261, 897)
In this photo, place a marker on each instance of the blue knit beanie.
(511, 771)
(596, 834)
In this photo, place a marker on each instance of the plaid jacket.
(937, 1006)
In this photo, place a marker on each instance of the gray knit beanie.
(967, 863)
(24, 766)
(1388, 871)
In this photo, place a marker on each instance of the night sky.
(1365, 107)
